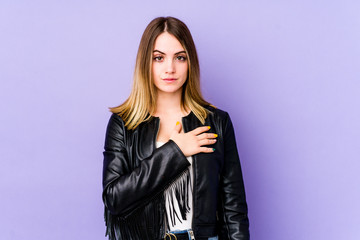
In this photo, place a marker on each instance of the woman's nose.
(170, 66)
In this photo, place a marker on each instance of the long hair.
(141, 103)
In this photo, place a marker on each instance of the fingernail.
(215, 135)
(209, 127)
(177, 123)
(213, 149)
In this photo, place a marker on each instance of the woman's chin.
(169, 90)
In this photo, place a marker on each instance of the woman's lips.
(169, 79)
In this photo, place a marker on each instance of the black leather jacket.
(136, 173)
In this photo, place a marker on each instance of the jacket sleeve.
(125, 189)
(233, 212)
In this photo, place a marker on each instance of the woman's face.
(169, 66)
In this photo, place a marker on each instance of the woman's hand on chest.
(194, 141)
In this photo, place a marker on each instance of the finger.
(206, 135)
(207, 142)
(207, 150)
(199, 130)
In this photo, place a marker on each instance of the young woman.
(171, 167)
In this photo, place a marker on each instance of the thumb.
(178, 127)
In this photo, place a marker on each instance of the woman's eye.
(181, 58)
(158, 58)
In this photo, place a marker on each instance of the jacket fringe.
(150, 222)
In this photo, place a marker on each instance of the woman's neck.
(169, 104)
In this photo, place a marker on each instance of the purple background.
(286, 71)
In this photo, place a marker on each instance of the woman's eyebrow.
(159, 52)
(180, 52)
(165, 54)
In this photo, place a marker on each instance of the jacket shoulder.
(116, 117)
(115, 131)
(115, 122)
(218, 113)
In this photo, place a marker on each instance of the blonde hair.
(141, 103)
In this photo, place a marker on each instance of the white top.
(184, 224)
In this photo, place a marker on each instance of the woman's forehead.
(167, 43)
